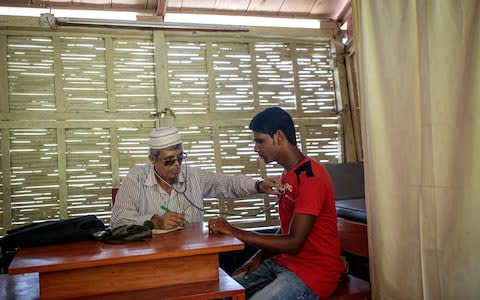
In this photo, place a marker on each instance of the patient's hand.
(220, 225)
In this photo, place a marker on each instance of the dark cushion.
(347, 179)
(349, 189)
(352, 209)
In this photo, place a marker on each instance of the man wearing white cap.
(169, 193)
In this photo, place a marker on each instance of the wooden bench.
(353, 237)
(352, 289)
(26, 287)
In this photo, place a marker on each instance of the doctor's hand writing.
(168, 220)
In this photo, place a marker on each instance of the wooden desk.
(25, 287)
(93, 268)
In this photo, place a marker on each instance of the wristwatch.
(257, 185)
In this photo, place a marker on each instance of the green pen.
(166, 209)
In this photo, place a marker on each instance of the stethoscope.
(202, 209)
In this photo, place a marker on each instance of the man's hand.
(250, 265)
(272, 186)
(168, 220)
(220, 225)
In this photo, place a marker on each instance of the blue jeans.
(271, 281)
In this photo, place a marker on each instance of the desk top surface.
(194, 239)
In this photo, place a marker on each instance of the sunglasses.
(170, 161)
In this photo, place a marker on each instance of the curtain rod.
(139, 24)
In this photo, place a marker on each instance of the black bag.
(127, 233)
(48, 232)
(53, 232)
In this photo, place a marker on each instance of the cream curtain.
(419, 77)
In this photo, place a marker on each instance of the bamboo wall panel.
(134, 75)
(30, 73)
(132, 148)
(233, 77)
(83, 73)
(237, 155)
(34, 175)
(89, 175)
(199, 146)
(322, 142)
(188, 77)
(317, 91)
(275, 75)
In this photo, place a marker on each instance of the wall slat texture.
(30, 73)
(133, 75)
(83, 73)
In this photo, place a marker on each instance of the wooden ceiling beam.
(161, 9)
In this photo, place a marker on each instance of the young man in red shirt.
(303, 260)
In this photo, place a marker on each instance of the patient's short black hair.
(272, 119)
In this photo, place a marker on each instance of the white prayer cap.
(164, 137)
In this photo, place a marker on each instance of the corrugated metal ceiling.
(319, 9)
